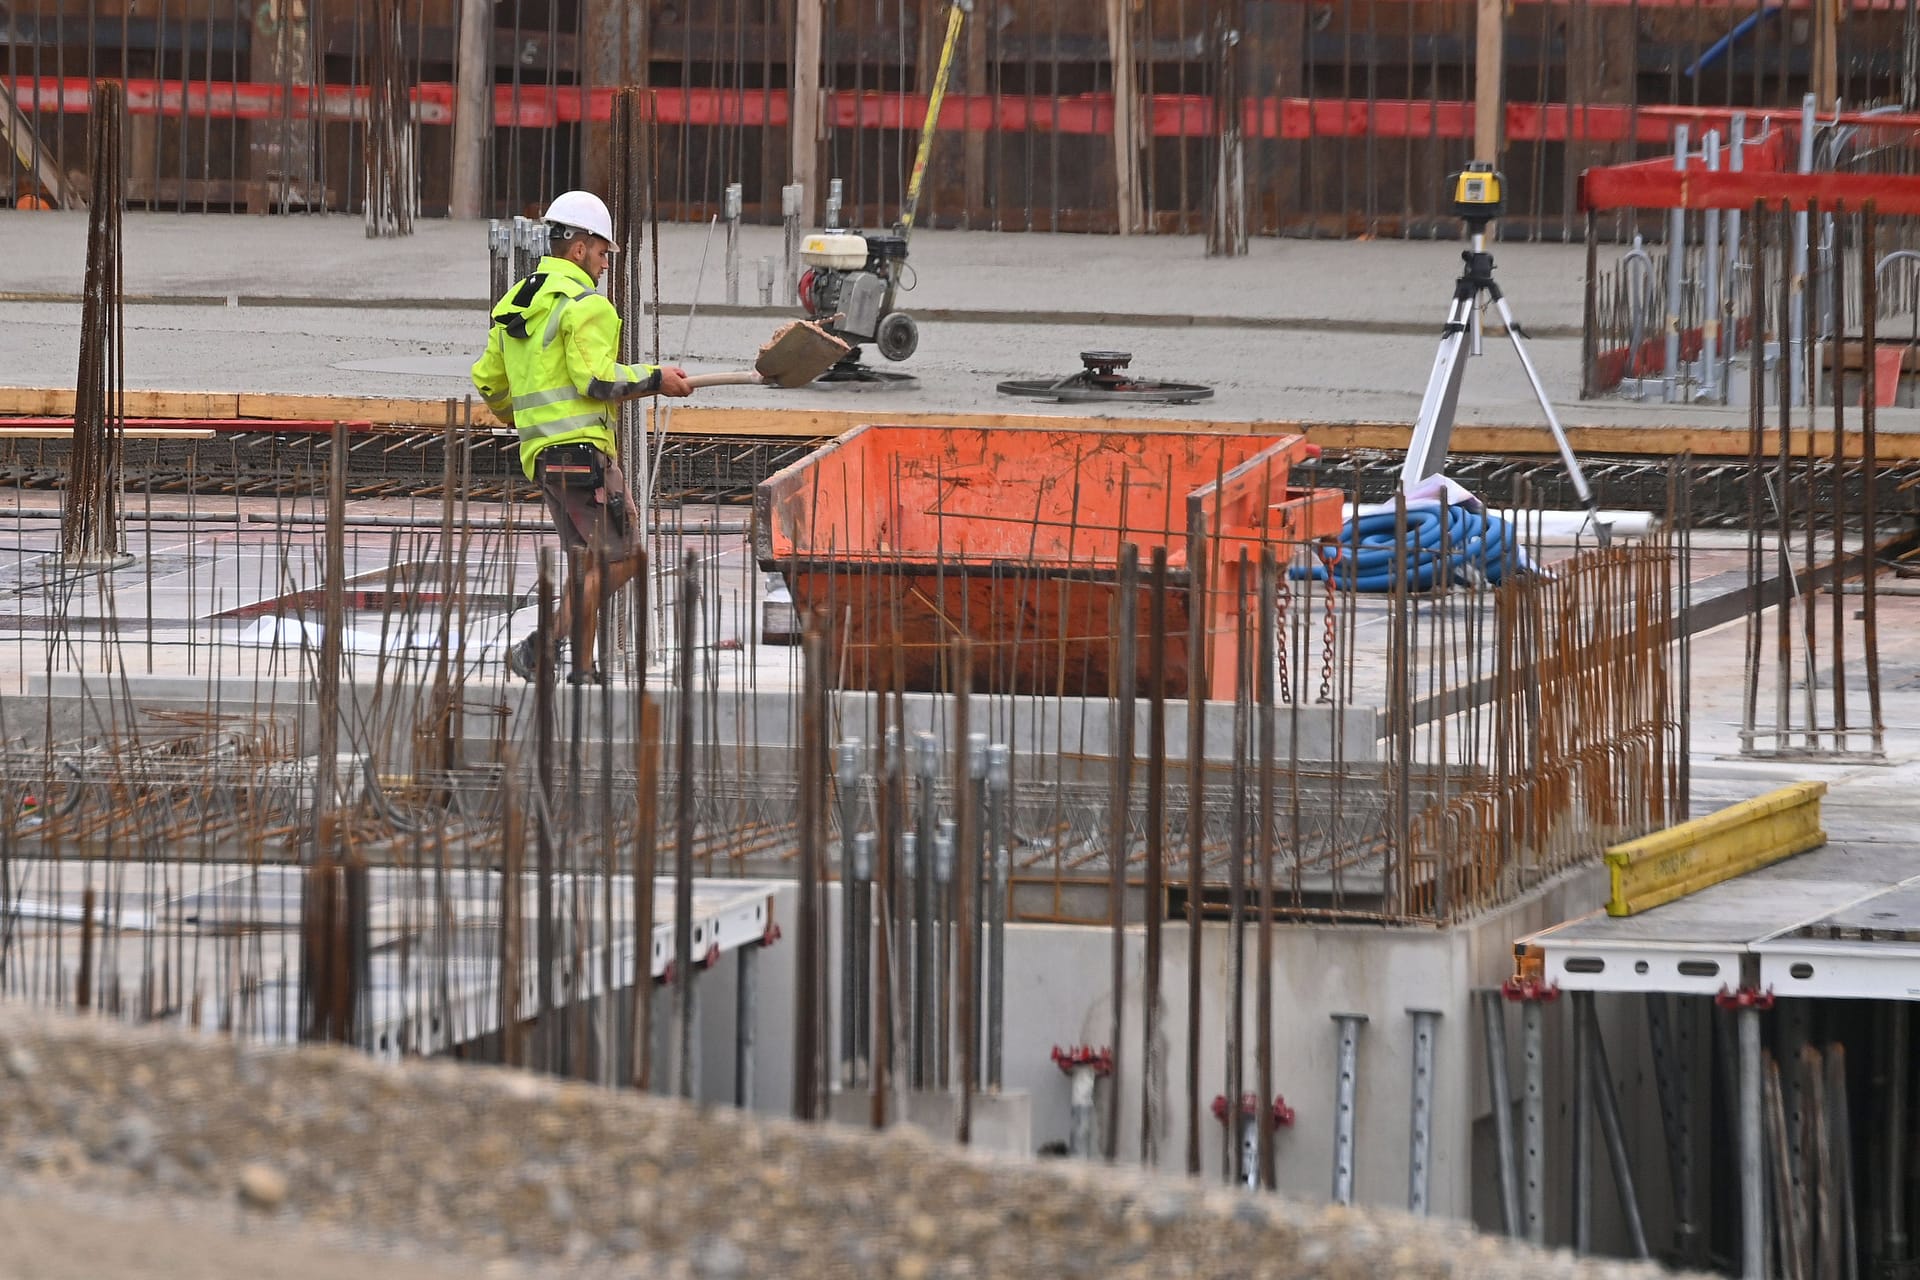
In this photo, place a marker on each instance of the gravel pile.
(496, 1165)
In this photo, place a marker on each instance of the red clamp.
(712, 957)
(1250, 1105)
(1745, 998)
(1070, 1060)
(1529, 990)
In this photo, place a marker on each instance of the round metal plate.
(864, 378)
(1077, 390)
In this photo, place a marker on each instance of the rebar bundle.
(90, 529)
(392, 183)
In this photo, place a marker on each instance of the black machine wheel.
(899, 336)
(1101, 379)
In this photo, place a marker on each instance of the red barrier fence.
(1164, 115)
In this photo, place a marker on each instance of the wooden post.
(1275, 59)
(1489, 103)
(280, 149)
(1602, 53)
(803, 132)
(1826, 54)
(615, 54)
(1126, 93)
(473, 81)
(976, 164)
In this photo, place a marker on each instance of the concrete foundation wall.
(502, 1168)
(1057, 994)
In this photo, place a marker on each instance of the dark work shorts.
(581, 515)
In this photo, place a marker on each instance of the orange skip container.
(905, 537)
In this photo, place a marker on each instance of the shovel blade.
(798, 353)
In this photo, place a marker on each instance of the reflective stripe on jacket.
(549, 369)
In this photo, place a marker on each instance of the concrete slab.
(1322, 330)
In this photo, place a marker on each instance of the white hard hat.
(584, 210)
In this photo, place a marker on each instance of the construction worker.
(551, 372)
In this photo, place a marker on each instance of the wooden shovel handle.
(744, 377)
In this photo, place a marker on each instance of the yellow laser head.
(1479, 192)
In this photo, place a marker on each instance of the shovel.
(796, 354)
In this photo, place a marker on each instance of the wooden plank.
(58, 402)
(1742, 837)
(814, 424)
(131, 433)
(803, 138)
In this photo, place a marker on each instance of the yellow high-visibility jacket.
(549, 370)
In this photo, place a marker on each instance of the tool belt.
(573, 466)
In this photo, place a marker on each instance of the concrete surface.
(1324, 330)
(495, 1165)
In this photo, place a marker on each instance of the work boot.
(586, 677)
(523, 658)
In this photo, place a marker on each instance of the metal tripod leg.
(1433, 428)
(1560, 440)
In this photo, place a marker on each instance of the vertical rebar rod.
(1237, 865)
(980, 858)
(809, 1042)
(940, 993)
(1782, 496)
(1869, 469)
(1263, 986)
(1756, 438)
(926, 761)
(1835, 514)
(966, 880)
(1809, 607)
(1346, 1081)
(1710, 264)
(1150, 1059)
(1196, 809)
(1493, 1022)
(999, 794)
(862, 908)
(646, 765)
(847, 779)
(684, 828)
(1126, 683)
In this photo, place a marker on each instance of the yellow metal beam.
(1743, 837)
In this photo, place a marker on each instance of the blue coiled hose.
(1363, 556)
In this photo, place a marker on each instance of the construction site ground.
(1327, 331)
(1298, 331)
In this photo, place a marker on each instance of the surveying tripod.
(1478, 199)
